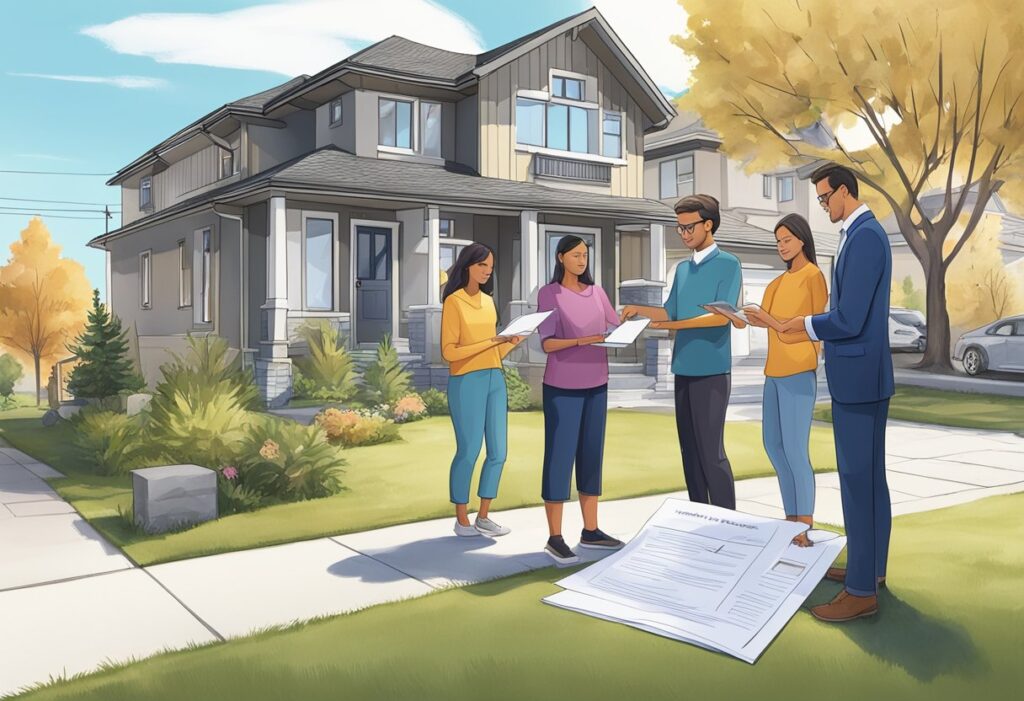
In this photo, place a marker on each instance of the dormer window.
(568, 88)
(334, 112)
(396, 123)
(146, 193)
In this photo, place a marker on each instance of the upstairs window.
(568, 88)
(766, 186)
(227, 163)
(146, 193)
(611, 136)
(334, 112)
(677, 178)
(395, 123)
(569, 128)
(786, 188)
(530, 122)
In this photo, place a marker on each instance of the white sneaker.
(488, 527)
(465, 531)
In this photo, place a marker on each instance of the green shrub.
(204, 427)
(233, 497)
(110, 442)
(436, 402)
(328, 372)
(204, 368)
(351, 428)
(386, 380)
(518, 391)
(10, 372)
(284, 460)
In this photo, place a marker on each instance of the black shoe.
(599, 540)
(561, 553)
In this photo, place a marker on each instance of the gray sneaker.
(488, 527)
(465, 531)
(561, 553)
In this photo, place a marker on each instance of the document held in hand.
(525, 325)
(625, 334)
(704, 575)
(728, 310)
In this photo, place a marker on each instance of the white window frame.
(413, 126)
(146, 279)
(333, 217)
(545, 97)
(146, 185)
(675, 181)
(395, 281)
(766, 186)
(622, 137)
(544, 234)
(184, 276)
(792, 188)
(205, 308)
(331, 121)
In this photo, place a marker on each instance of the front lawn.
(949, 628)
(932, 406)
(397, 482)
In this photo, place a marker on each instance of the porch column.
(433, 226)
(658, 261)
(273, 369)
(530, 357)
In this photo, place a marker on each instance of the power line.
(50, 216)
(54, 209)
(26, 199)
(52, 172)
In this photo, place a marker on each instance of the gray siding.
(467, 132)
(229, 267)
(269, 146)
(256, 223)
(342, 135)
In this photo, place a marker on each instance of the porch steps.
(629, 377)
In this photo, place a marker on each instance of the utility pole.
(106, 222)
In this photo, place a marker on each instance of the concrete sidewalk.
(69, 601)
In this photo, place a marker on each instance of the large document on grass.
(708, 576)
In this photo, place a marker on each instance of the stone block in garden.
(66, 411)
(173, 496)
(50, 418)
(137, 402)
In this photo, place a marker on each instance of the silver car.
(998, 347)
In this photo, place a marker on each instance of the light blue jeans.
(478, 402)
(786, 428)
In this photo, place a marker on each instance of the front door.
(373, 283)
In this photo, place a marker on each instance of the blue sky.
(89, 86)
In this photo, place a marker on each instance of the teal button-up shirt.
(717, 278)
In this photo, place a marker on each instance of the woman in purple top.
(575, 394)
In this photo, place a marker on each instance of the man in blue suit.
(858, 364)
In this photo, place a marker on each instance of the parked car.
(911, 317)
(905, 337)
(998, 347)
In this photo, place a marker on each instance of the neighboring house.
(344, 195)
(684, 159)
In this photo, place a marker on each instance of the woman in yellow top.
(477, 397)
(790, 371)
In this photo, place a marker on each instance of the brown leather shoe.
(846, 607)
(838, 574)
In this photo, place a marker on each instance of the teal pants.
(786, 428)
(478, 402)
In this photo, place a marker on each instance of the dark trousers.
(574, 422)
(701, 403)
(860, 453)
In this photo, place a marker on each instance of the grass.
(932, 406)
(945, 631)
(398, 482)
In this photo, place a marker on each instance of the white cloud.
(120, 81)
(646, 27)
(859, 137)
(302, 36)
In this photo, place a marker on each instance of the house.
(343, 195)
(686, 158)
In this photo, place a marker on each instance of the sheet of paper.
(525, 325)
(727, 309)
(708, 576)
(626, 334)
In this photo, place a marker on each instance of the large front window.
(395, 123)
(319, 263)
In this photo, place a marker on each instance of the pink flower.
(229, 472)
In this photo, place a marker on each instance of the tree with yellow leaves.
(938, 85)
(979, 287)
(43, 299)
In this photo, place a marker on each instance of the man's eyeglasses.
(823, 199)
(688, 228)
